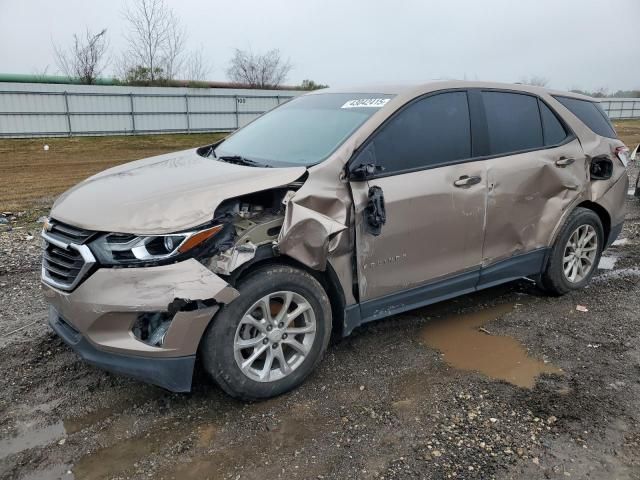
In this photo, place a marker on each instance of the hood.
(163, 194)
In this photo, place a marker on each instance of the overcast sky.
(584, 44)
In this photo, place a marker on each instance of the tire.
(554, 280)
(267, 289)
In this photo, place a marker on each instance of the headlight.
(121, 249)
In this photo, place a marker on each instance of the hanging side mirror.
(375, 215)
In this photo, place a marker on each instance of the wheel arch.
(327, 278)
(603, 215)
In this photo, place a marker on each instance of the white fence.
(36, 110)
(620, 108)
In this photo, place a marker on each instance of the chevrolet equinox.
(337, 208)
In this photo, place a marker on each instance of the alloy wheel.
(580, 253)
(274, 336)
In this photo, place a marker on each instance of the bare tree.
(535, 81)
(197, 68)
(174, 53)
(86, 58)
(266, 70)
(155, 39)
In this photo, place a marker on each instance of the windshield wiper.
(239, 160)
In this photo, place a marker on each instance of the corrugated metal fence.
(33, 110)
(37, 110)
(620, 108)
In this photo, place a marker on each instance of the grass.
(628, 131)
(32, 177)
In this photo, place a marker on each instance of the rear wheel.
(575, 254)
(271, 337)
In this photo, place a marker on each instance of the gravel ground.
(381, 405)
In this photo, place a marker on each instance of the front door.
(434, 199)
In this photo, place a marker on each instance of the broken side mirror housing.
(365, 164)
(364, 171)
(601, 168)
(375, 214)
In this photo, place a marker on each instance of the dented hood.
(162, 194)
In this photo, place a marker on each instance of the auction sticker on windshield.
(366, 102)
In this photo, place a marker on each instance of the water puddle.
(220, 459)
(466, 345)
(607, 262)
(30, 437)
(122, 456)
(55, 472)
(76, 424)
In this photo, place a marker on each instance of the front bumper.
(96, 319)
(174, 374)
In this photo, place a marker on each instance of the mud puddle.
(217, 458)
(467, 345)
(30, 437)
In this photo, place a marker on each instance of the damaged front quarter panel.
(308, 235)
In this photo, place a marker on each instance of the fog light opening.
(152, 327)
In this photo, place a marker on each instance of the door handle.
(467, 181)
(564, 162)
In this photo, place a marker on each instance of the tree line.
(156, 53)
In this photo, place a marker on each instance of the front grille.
(63, 265)
(65, 259)
(67, 233)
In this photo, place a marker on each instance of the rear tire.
(575, 254)
(255, 350)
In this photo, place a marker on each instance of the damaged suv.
(335, 209)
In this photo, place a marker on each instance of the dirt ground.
(541, 390)
(31, 173)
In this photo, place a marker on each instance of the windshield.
(303, 131)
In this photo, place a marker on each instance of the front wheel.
(271, 337)
(575, 254)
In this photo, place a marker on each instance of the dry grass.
(629, 132)
(30, 174)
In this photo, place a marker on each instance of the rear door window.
(591, 114)
(513, 122)
(553, 131)
(429, 132)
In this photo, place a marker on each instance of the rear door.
(434, 196)
(536, 171)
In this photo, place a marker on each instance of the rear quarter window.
(553, 130)
(591, 114)
(513, 122)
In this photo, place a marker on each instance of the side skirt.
(514, 268)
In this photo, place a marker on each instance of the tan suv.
(335, 209)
